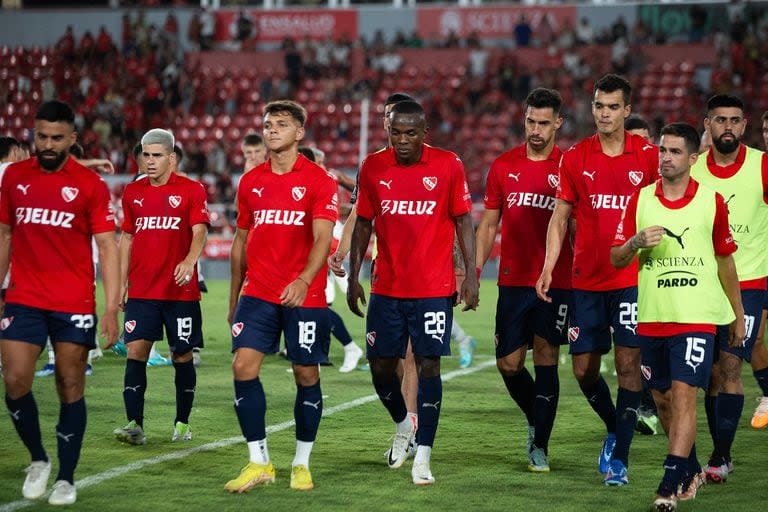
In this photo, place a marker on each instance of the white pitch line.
(181, 454)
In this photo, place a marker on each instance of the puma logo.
(238, 400)
(23, 188)
(679, 237)
(258, 191)
(694, 366)
(15, 415)
(135, 389)
(516, 177)
(631, 329)
(387, 184)
(438, 338)
(315, 406)
(65, 437)
(434, 405)
(139, 202)
(590, 175)
(728, 201)
(629, 410)
(548, 398)
(189, 390)
(387, 397)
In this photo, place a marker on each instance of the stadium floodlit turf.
(479, 458)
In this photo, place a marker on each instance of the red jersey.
(278, 210)
(160, 220)
(53, 217)
(414, 208)
(524, 190)
(599, 186)
(722, 241)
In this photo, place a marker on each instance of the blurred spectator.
(195, 163)
(585, 34)
(66, 45)
(207, 29)
(194, 30)
(217, 157)
(414, 40)
(619, 29)
(522, 32)
(242, 28)
(388, 61)
(478, 59)
(104, 44)
(87, 46)
(698, 16)
(293, 63)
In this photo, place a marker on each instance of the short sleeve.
(566, 189)
(652, 163)
(494, 195)
(460, 197)
(198, 205)
(325, 204)
(6, 210)
(101, 215)
(244, 217)
(627, 227)
(364, 204)
(129, 222)
(722, 239)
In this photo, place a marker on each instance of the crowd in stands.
(123, 84)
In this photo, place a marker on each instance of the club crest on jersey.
(5, 322)
(553, 180)
(430, 182)
(69, 193)
(573, 334)
(237, 329)
(635, 177)
(130, 325)
(174, 201)
(297, 193)
(370, 337)
(646, 371)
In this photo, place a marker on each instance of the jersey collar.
(521, 151)
(690, 191)
(300, 164)
(425, 155)
(726, 171)
(629, 143)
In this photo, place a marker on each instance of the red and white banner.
(489, 22)
(276, 25)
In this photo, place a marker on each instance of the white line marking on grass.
(181, 454)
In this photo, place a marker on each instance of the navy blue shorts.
(521, 315)
(684, 358)
(597, 315)
(145, 319)
(753, 301)
(34, 325)
(258, 324)
(390, 322)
